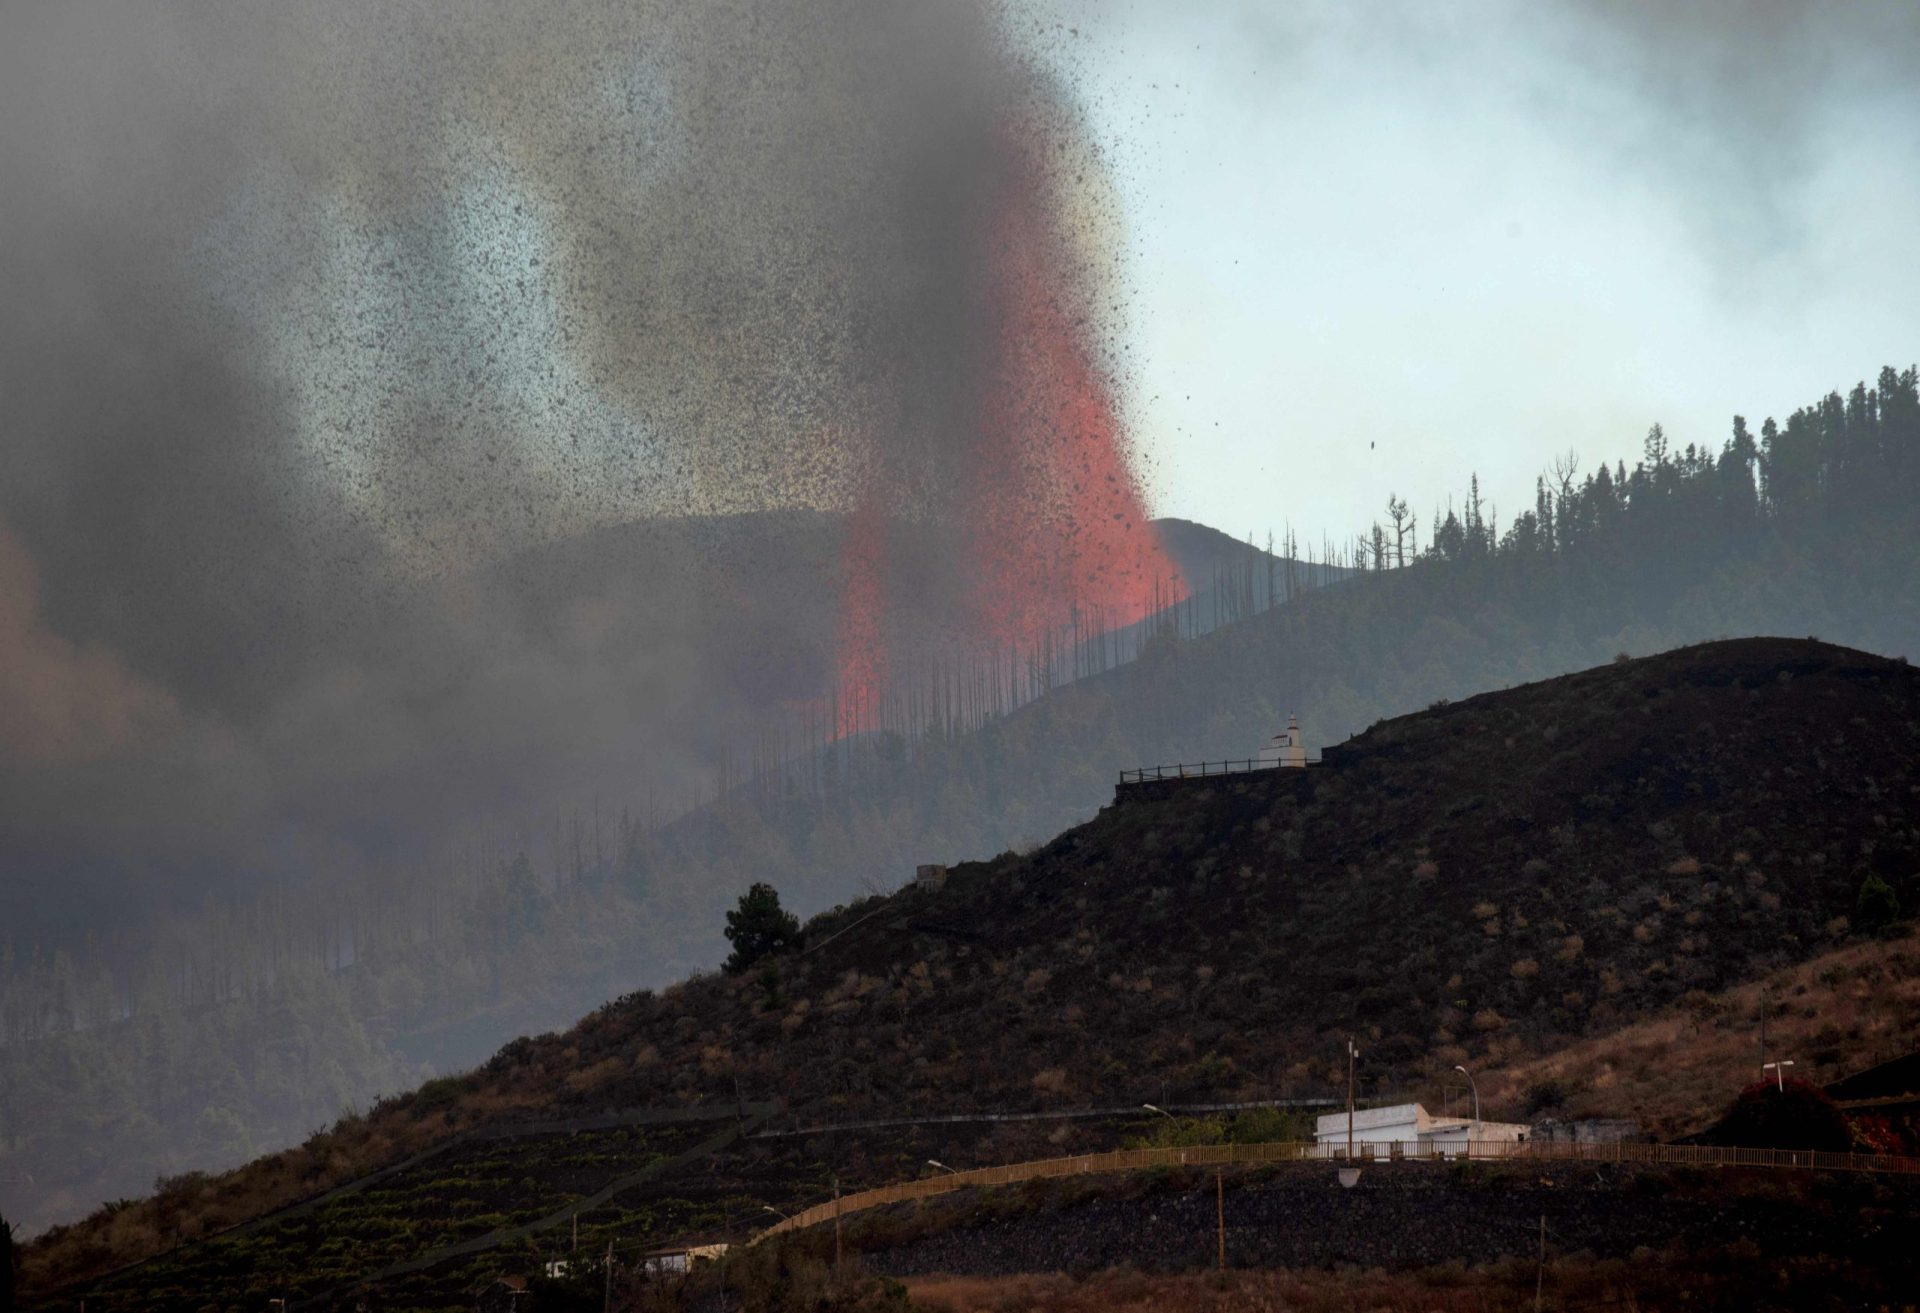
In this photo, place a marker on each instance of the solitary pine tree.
(759, 926)
(6, 1266)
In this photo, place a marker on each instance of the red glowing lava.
(1053, 526)
(1056, 512)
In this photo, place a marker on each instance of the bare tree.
(1563, 470)
(1403, 525)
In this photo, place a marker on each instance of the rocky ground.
(1408, 1216)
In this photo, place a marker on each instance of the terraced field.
(445, 1226)
(430, 1234)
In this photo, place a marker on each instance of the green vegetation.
(1253, 1126)
(1878, 906)
(759, 926)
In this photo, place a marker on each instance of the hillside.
(1482, 882)
(1520, 868)
(1832, 1015)
(1810, 529)
(427, 965)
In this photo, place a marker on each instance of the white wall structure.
(673, 1262)
(1286, 748)
(1413, 1128)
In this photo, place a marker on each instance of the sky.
(1375, 248)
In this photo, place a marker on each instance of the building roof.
(1466, 1127)
(1889, 1080)
(1413, 1116)
(1373, 1119)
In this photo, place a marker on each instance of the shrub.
(1794, 1114)
(1544, 1094)
(1266, 1125)
(1877, 906)
(1179, 1133)
(1052, 1080)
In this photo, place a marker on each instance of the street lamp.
(769, 1208)
(1779, 1072)
(1162, 1111)
(1476, 1091)
(935, 1162)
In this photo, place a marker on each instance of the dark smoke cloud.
(373, 374)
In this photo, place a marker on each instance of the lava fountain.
(1051, 523)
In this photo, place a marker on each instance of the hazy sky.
(1376, 247)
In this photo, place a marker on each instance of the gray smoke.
(371, 375)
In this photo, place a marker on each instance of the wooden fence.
(1224, 1155)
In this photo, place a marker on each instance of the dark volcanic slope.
(1474, 881)
(1490, 876)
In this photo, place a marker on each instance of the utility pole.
(1352, 1055)
(836, 1224)
(1220, 1213)
(606, 1305)
(1540, 1273)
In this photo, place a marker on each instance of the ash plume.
(421, 412)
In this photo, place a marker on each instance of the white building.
(678, 1262)
(1412, 1129)
(1286, 749)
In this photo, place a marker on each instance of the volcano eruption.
(1051, 530)
(443, 412)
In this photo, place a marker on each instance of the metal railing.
(1193, 770)
(1224, 1155)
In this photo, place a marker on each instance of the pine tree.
(759, 926)
(1655, 448)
